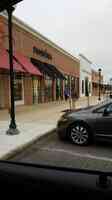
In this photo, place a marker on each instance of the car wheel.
(79, 134)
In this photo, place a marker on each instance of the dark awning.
(43, 69)
(48, 69)
(54, 70)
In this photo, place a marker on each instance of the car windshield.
(56, 83)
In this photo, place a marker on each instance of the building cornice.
(82, 56)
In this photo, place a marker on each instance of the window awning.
(48, 69)
(26, 64)
(42, 67)
(4, 62)
(54, 70)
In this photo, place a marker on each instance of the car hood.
(81, 113)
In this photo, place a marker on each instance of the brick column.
(4, 91)
(28, 91)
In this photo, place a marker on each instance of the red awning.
(4, 62)
(27, 65)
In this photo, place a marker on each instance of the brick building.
(42, 69)
(95, 83)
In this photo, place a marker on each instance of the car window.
(109, 108)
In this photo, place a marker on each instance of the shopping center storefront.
(23, 73)
(51, 88)
(44, 67)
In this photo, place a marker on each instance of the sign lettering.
(42, 53)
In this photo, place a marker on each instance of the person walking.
(66, 94)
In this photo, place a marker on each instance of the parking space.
(51, 151)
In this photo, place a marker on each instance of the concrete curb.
(19, 149)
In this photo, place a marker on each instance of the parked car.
(83, 126)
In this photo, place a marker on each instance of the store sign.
(42, 53)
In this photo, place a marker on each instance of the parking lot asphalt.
(51, 151)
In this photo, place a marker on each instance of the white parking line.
(77, 154)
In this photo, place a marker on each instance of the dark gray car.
(83, 126)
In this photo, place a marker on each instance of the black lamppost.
(12, 127)
(9, 6)
(99, 71)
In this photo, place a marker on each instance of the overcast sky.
(78, 26)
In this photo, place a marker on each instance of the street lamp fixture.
(5, 4)
(9, 5)
(99, 71)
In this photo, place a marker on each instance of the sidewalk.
(33, 122)
(87, 101)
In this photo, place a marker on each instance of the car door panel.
(103, 124)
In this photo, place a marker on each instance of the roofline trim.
(81, 55)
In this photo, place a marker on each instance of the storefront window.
(59, 89)
(67, 82)
(18, 89)
(72, 84)
(48, 88)
(82, 86)
(86, 87)
(89, 87)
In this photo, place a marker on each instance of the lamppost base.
(12, 131)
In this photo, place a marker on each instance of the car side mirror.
(106, 112)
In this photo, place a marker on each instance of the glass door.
(18, 90)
